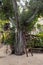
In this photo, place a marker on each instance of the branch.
(32, 17)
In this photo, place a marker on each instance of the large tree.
(30, 11)
(35, 7)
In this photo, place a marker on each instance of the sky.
(22, 4)
(23, 1)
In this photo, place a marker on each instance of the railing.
(37, 50)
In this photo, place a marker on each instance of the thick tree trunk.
(19, 40)
(19, 48)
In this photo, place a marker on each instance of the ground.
(6, 59)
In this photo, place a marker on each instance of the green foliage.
(39, 43)
(29, 11)
(38, 25)
(6, 10)
(25, 16)
(40, 35)
(34, 4)
(10, 39)
(31, 24)
(36, 41)
(2, 22)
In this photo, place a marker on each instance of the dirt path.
(36, 59)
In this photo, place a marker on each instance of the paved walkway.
(36, 59)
